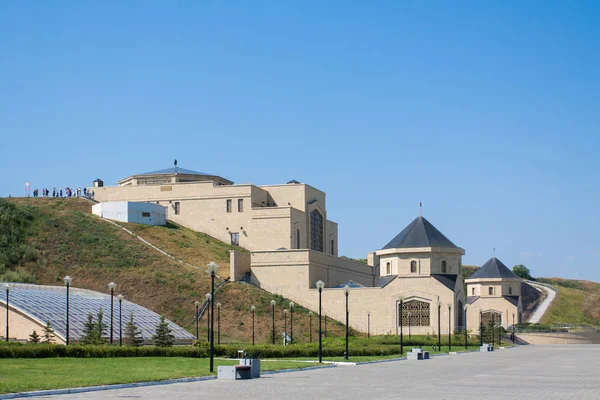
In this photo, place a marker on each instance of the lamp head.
(273, 302)
(212, 267)
(218, 305)
(346, 290)
(120, 297)
(449, 306)
(67, 280)
(208, 296)
(112, 286)
(400, 299)
(320, 285)
(196, 303)
(252, 308)
(7, 288)
(285, 311)
(466, 306)
(292, 304)
(310, 313)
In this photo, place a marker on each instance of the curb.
(88, 389)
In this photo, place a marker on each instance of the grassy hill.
(44, 239)
(577, 302)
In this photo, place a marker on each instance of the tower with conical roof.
(494, 293)
(426, 267)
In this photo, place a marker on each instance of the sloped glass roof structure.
(48, 304)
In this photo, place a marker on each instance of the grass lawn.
(21, 375)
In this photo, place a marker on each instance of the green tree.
(133, 335)
(89, 331)
(522, 271)
(101, 329)
(34, 337)
(48, 334)
(164, 335)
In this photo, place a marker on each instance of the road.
(543, 307)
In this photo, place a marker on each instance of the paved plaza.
(532, 372)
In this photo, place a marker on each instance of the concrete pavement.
(536, 372)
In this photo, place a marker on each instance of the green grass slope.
(42, 240)
(577, 302)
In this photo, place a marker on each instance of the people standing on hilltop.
(60, 193)
(53, 192)
(85, 192)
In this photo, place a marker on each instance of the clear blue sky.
(487, 112)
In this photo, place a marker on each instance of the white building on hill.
(129, 211)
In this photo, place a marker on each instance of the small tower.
(98, 183)
(493, 291)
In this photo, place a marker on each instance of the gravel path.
(543, 307)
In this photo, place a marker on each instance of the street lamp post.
(449, 331)
(197, 304)
(409, 323)
(439, 307)
(493, 333)
(401, 313)
(291, 322)
(368, 325)
(310, 326)
(466, 333)
(219, 324)
(208, 297)
(285, 336)
(513, 326)
(346, 292)
(252, 309)
(480, 327)
(320, 285)
(213, 267)
(273, 302)
(7, 287)
(112, 287)
(67, 279)
(120, 297)
(499, 331)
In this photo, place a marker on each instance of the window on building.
(146, 214)
(235, 238)
(472, 291)
(413, 267)
(509, 290)
(316, 231)
(460, 312)
(228, 205)
(176, 208)
(240, 205)
(297, 238)
(332, 248)
(491, 290)
(415, 313)
(444, 266)
(388, 268)
(491, 316)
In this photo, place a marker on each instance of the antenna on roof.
(420, 208)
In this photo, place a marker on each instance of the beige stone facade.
(290, 216)
(21, 324)
(293, 245)
(493, 289)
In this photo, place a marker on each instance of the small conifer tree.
(101, 329)
(48, 335)
(133, 335)
(89, 330)
(164, 335)
(34, 337)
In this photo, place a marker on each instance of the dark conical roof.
(420, 233)
(493, 268)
